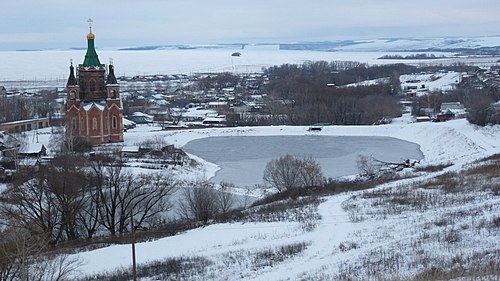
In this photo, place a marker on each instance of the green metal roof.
(91, 58)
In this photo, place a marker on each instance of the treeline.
(302, 94)
(20, 107)
(482, 104)
(337, 72)
(411, 57)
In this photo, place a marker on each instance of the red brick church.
(93, 103)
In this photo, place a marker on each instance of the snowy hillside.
(399, 44)
(407, 229)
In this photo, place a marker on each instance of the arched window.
(72, 95)
(113, 94)
(114, 122)
(94, 123)
(74, 124)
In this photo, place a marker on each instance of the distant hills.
(185, 47)
(467, 45)
(463, 45)
(486, 45)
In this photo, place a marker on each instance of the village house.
(32, 150)
(25, 125)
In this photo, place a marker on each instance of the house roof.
(31, 148)
(89, 105)
(131, 148)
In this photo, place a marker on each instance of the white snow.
(431, 82)
(88, 106)
(455, 142)
(54, 65)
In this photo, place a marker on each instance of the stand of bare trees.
(301, 95)
(289, 172)
(202, 202)
(73, 198)
(23, 257)
(69, 199)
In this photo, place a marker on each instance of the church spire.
(72, 79)
(91, 58)
(111, 74)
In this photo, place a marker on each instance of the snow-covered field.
(355, 236)
(54, 65)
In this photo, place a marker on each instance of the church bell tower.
(93, 102)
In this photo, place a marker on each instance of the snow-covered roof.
(217, 103)
(158, 96)
(31, 148)
(142, 114)
(131, 148)
(161, 102)
(88, 106)
(215, 119)
(127, 122)
(193, 112)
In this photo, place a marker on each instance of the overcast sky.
(39, 24)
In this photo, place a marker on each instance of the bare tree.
(32, 206)
(225, 197)
(199, 202)
(372, 168)
(48, 201)
(289, 172)
(23, 257)
(310, 172)
(366, 167)
(121, 193)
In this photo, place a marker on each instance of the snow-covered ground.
(339, 242)
(53, 66)
(420, 82)
(432, 82)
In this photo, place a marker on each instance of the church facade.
(93, 102)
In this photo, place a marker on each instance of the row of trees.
(73, 199)
(301, 94)
(19, 107)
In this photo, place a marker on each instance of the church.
(93, 103)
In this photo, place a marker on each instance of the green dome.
(91, 58)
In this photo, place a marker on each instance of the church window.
(94, 123)
(72, 95)
(73, 123)
(114, 122)
(113, 94)
(92, 85)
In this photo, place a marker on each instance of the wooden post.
(134, 265)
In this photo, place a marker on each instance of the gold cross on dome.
(90, 21)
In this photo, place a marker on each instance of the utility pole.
(134, 265)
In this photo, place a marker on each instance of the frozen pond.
(242, 159)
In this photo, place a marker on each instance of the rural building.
(24, 125)
(131, 151)
(33, 150)
(93, 103)
(140, 118)
(451, 106)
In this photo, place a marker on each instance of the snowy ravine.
(349, 231)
